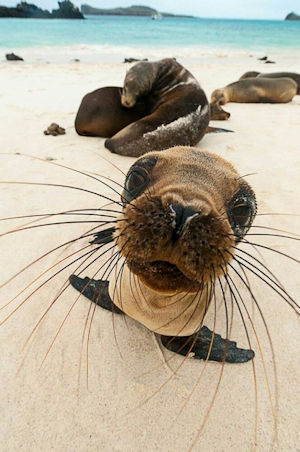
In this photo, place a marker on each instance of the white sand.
(48, 409)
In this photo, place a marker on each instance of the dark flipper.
(220, 348)
(210, 129)
(96, 291)
(104, 236)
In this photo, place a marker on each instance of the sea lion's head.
(184, 211)
(218, 97)
(138, 82)
(217, 113)
(129, 94)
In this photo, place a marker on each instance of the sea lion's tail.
(216, 130)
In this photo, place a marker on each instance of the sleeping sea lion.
(292, 75)
(255, 90)
(184, 212)
(161, 105)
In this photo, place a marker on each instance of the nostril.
(181, 217)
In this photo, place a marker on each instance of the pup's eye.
(242, 215)
(136, 182)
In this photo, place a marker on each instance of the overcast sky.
(248, 9)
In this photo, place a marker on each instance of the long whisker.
(47, 254)
(274, 410)
(220, 375)
(71, 187)
(291, 302)
(267, 283)
(270, 249)
(229, 279)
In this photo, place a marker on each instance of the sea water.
(111, 32)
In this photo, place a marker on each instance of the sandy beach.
(136, 390)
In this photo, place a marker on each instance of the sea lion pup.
(161, 101)
(184, 211)
(255, 90)
(292, 75)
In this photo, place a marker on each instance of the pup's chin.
(163, 277)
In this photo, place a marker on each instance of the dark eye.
(242, 215)
(136, 182)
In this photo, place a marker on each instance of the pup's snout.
(182, 215)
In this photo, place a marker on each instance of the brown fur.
(255, 90)
(160, 267)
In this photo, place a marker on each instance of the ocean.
(191, 35)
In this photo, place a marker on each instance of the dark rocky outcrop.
(292, 16)
(135, 10)
(24, 10)
(66, 10)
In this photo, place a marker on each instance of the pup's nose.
(182, 216)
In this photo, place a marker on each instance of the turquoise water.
(144, 32)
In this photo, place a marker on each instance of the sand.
(134, 397)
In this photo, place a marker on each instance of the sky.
(247, 9)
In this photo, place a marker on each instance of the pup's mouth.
(163, 277)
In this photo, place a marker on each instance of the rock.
(263, 58)
(13, 57)
(292, 16)
(54, 130)
(66, 10)
(133, 60)
(269, 62)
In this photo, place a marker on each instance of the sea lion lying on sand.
(184, 212)
(252, 90)
(292, 75)
(161, 105)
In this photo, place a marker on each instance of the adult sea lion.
(255, 90)
(184, 212)
(292, 75)
(161, 105)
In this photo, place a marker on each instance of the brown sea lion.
(161, 105)
(184, 212)
(101, 113)
(292, 75)
(255, 90)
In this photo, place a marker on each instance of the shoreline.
(106, 53)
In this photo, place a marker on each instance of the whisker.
(291, 304)
(270, 249)
(207, 414)
(270, 279)
(72, 187)
(274, 410)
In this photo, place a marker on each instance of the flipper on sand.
(210, 129)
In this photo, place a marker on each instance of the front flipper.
(222, 349)
(96, 291)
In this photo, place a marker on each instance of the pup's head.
(218, 97)
(184, 210)
(217, 113)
